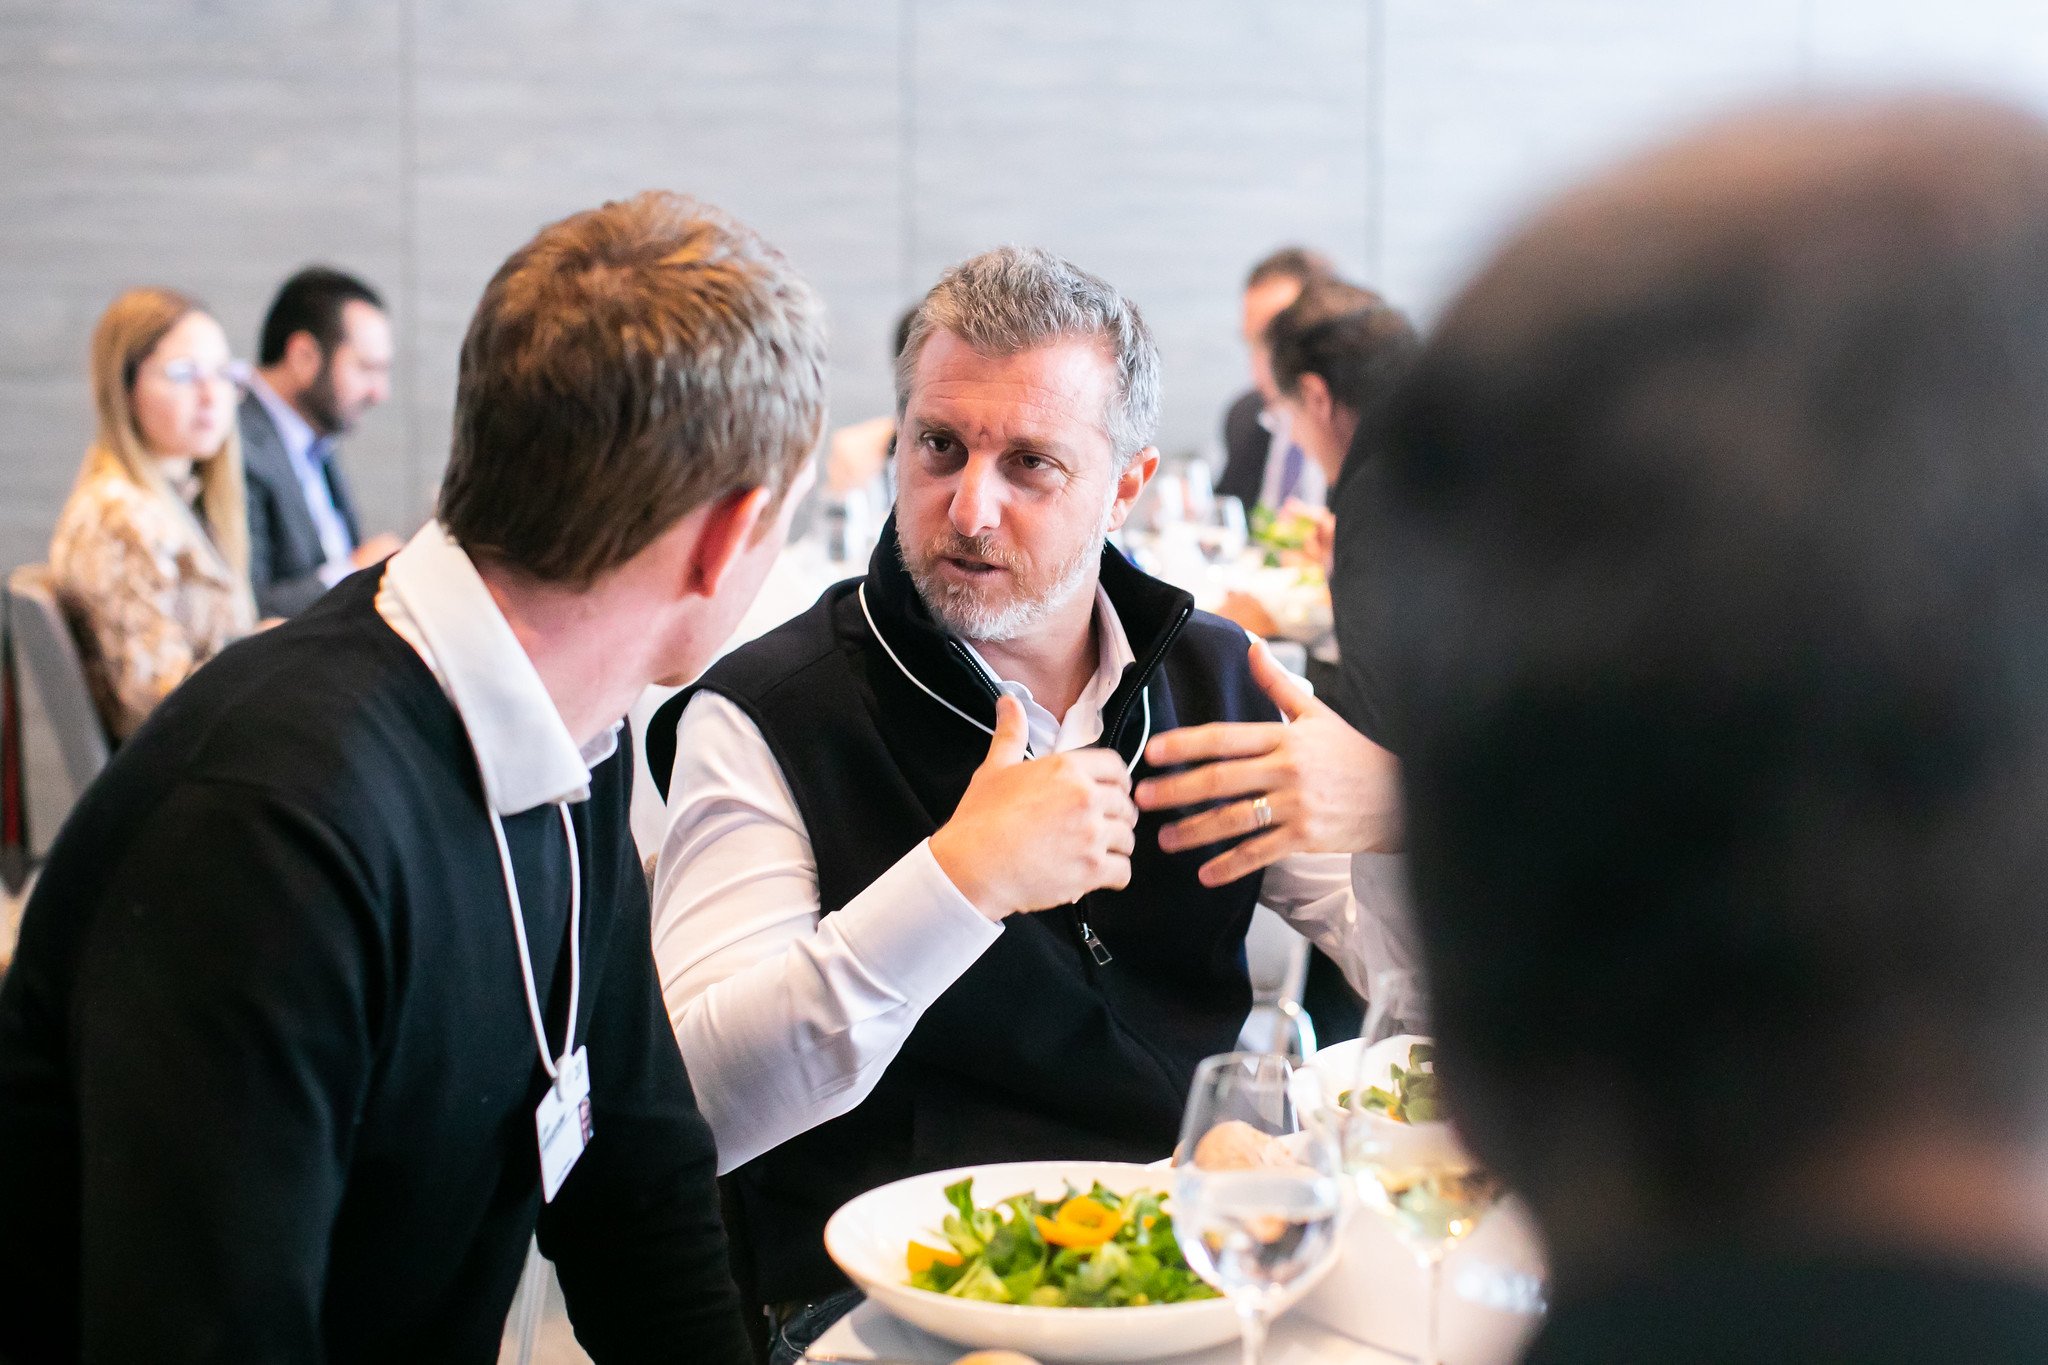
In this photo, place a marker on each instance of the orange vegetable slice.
(1080, 1222)
(922, 1258)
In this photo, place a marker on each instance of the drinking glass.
(1409, 1166)
(1224, 530)
(1254, 1215)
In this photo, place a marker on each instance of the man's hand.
(375, 550)
(1029, 835)
(1328, 788)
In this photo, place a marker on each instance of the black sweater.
(267, 1080)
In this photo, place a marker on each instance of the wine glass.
(1407, 1160)
(1256, 1195)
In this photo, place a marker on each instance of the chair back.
(48, 654)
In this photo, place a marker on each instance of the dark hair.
(628, 365)
(1715, 570)
(1297, 263)
(311, 301)
(1351, 338)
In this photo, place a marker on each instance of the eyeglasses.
(187, 374)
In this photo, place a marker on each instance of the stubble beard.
(967, 610)
(321, 405)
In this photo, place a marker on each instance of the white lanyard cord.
(1144, 693)
(540, 1033)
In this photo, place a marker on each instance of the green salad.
(1094, 1250)
(1411, 1098)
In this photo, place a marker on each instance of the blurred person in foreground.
(1263, 465)
(337, 985)
(1718, 505)
(324, 360)
(150, 556)
(871, 804)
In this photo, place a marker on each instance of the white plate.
(1336, 1067)
(869, 1235)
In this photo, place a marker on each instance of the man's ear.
(1131, 483)
(1314, 394)
(729, 526)
(303, 357)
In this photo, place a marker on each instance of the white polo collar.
(1082, 725)
(433, 596)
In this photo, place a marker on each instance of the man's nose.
(977, 498)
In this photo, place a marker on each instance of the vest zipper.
(1089, 939)
(1113, 734)
(1113, 731)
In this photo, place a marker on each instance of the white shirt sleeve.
(1355, 908)
(785, 1017)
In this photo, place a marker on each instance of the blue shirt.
(309, 454)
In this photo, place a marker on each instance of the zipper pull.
(1094, 944)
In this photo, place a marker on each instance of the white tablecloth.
(868, 1333)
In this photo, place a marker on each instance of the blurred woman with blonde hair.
(151, 551)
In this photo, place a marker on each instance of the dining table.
(869, 1335)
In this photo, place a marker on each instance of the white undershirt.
(788, 1018)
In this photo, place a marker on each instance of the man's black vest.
(1039, 1050)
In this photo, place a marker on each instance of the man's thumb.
(1289, 693)
(1013, 734)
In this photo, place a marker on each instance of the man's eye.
(938, 443)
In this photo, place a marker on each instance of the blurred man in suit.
(325, 357)
(1261, 463)
(1718, 506)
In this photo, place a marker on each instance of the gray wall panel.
(1490, 105)
(214, 147)
(785, 115)
(1163, 145)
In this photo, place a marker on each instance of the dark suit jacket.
(1365, 695)
(284, 545)
(1245, 447)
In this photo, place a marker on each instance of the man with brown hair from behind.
(338, 984)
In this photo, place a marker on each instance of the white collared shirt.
(433, 597)
(298, 436)
(1308, 488)
(788, 1017)
(1082, 725)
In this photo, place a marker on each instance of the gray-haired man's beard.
(976, 613)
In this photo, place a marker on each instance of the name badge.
(563, 1122)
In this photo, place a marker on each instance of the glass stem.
(1432, 1285)
(1251, 1327)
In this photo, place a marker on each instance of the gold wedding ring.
(1262, 812)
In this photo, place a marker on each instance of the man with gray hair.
(907, 916)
